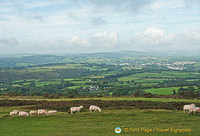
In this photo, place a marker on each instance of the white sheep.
(76, 109)
(52, 111)
(94, 108)
(33, 112)
(13, 113)
(188, 107)
(42, 111)
(194, 110)
(23, 113)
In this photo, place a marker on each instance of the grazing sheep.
(194, 110)
(33, 112)
(76, 109)
(13, 113)
(94, 108)
(42, 111)
(188, 107)
(23, 113)
(52, 111)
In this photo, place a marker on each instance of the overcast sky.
(73, 26)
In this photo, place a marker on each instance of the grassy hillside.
(98, 124)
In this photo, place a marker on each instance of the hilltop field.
(148, 116)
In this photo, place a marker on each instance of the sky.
(84, 26)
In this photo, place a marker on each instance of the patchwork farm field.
(160, 76)
(93, 79)
(162, 91)
(98, 124)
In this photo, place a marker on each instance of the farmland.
(98, 75)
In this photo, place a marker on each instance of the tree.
(174, 92)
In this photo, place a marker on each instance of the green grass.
(73, 87)
(79, 82)
(160, 76)
(22, 64)
(64, 66)
(162, 91)
(47, 83)
(99, 124)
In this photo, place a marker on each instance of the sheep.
(194, 110)
(52, 111)
(76, 109)
(42, 111)
(188, 107)
(13, 113)
(33, 112)
(23, 113)
(94, 108)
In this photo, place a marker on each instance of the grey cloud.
(33, 16)
(20, 9)
(192, 3)
(130, 6)
(8, 42)
(98, 21)
(4, 31)
(72, 15)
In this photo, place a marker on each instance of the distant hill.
(34, 59)
(23, 61)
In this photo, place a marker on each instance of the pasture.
(162, 91)
(98, 124)
(159, 77)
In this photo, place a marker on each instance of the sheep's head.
(192, 105)
(99, 109)
(81, 106)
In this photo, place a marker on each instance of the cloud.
(187, 40)
(105, 39)
(121, 6)
(192, 3)
(98, 21)
(76, 41)
(154, 38)
(98, 40)
(8, 42)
